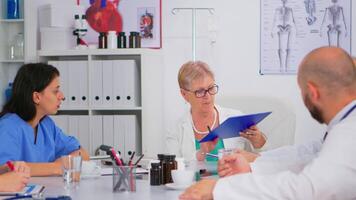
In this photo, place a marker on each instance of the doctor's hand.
(255, 136)
(21, 166)
(232, 164)
(13, 181)
(203, 190)
(205, 147)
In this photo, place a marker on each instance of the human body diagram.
(283, 23)
(310, 9)
(335, 19)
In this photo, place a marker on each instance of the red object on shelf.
(104, 19)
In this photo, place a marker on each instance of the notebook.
(232, 126)
(30, 189)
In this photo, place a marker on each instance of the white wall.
(234, 57)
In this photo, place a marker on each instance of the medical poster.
(292, 28)
(142, 16)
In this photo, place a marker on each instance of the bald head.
(330, 68)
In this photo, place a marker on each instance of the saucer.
(86, 176)
(94, 174)
(174, 186)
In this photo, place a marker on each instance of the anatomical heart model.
(103, 16)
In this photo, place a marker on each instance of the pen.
(139, 159)
(132, 156)
(10, 165)
(209, 129)
(212, 155)
(116, 158)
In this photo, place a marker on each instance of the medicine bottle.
(171, 164)
(102, 41)
(112, 40)
(13, 11)
(121, 40)
(161, 158)
(155, 173)
(134, 40)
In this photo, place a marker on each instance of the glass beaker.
(19, 46)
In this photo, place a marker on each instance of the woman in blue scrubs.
(27, 133)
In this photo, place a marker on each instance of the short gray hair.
(193, 70)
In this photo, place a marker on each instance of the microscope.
(80, 30)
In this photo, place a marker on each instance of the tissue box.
(57, 38)
(58, 15)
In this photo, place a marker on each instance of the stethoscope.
(342, 118)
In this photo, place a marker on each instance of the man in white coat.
(324, 169)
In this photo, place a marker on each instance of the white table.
(101, 188)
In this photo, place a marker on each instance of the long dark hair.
(30, 78)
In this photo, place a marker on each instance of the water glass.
(71, 166)
(224, 152)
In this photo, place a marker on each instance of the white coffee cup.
(183, 177)
(90, 167)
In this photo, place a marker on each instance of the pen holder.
(124, 178)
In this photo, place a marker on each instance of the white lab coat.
(181, 142)
(311, 171)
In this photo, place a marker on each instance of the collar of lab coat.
(337, 118)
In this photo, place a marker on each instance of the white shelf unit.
(148, 106)
(8, 29)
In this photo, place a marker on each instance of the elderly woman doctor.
(198, 88)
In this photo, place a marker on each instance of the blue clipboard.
(234, 125)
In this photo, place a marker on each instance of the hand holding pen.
(18, 166)
(14, 181)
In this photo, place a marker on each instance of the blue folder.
(234, 125)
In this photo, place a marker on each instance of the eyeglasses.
(202, 92)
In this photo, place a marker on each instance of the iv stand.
(194, 10)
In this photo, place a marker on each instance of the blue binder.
(234, 125)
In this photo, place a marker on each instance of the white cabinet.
(11, 58)
(112, 97)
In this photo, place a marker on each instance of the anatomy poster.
(142, 16)
(292, 28)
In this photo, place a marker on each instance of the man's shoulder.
(347, 125)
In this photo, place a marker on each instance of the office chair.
(279, 126)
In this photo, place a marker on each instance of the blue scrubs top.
(17, 140)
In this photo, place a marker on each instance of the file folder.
(107, 83)
(234, 125)
(96, 99)
(61, 122)
(131, 135)
(83, 132)
(96, 130)
(118, 74)
(79, 81)
(130, 82)
(119, 134)
(108, 130)
(73, 126)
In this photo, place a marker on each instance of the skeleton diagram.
(283, 18)
(310, 8)
(334, 15)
